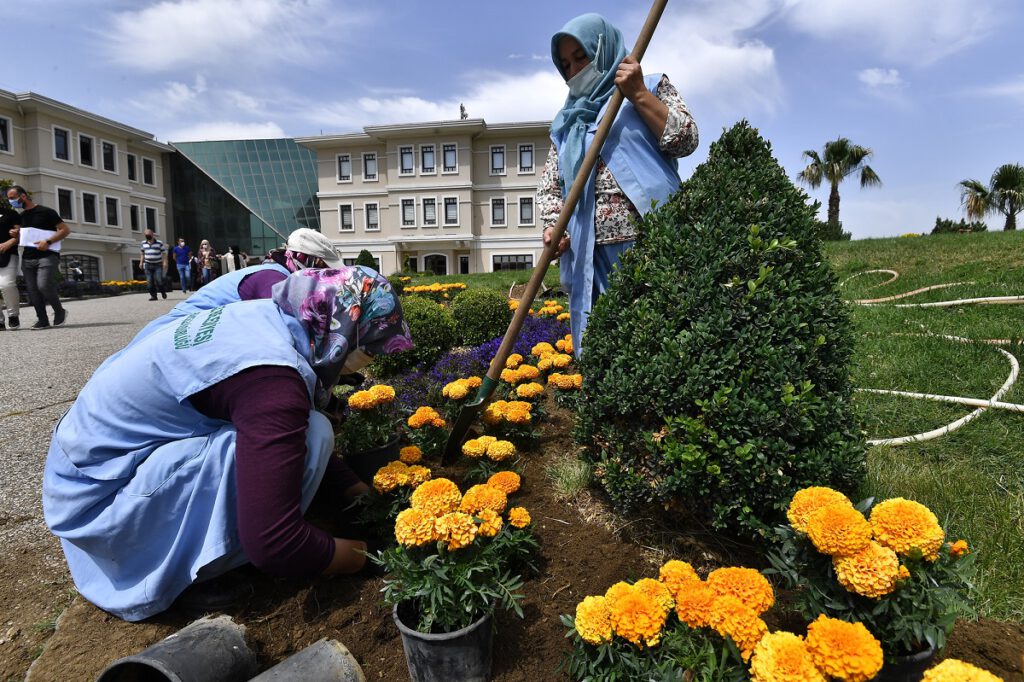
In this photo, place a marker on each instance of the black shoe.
(13, 322)
(152, 298)
(164, 294)
(59, 317)
(40, 325)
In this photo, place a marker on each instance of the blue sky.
(935, 88)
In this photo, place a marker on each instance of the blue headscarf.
(577, 113)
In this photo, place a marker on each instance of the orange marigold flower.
(561, 361)
(838, 530)
(656, 591)
(846, 651)
(959, 548)
(673, 574)
(474, 448)
(439, 423)
(953, 670)
(415, 527)
(436, 497)
(455, 390)
(509, 376)
(492, 415)
(518, 416)
(487, 441)
(731, 618)
(810, 500)
(617, 591)
(507, 481)
(362, 400)
(457, 529)
(783, 657)
(593, 620)
(388, 478)
(519, 517)
(500, 450)
(545, 364)
(872, 572)
(542, 348)
(514, 361)
(410, 454)
(418, 475)
(490, 523)
(474, 382)
(908, 528)
(746, 584)
(484, 496)
(382, 393)
(563, 317)
(530, 390)
(528, 372)
(693, 603)
(637, 618)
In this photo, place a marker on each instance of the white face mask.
(583, 83)
(355, 361)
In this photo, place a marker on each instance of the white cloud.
(881, 78)
(1012, 90)
(225, 130)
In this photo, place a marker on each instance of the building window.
(526, 210)
(132, 175)
(411, 264)
(497, 212)
(133, 217)
(148, 177)
(408, 213)
(428, 166)
(429, 212)
(405, 161)
(498, 160)
(89, 265)
(370, 166)
(451, 210)
(109, 156)
(89, 208)
(113, 206)
(526, 158)
(435, 263)
(372, 217)
(451, 158)
(463, 265)
(85, 145)
(66, 204)
(5, 134)
(61, 147)
(151, 218)
(345, 218)
(523, 262)
(344, 168)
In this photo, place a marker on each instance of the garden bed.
(581, 554)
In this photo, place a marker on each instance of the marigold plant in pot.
(392, 486)
(368, 437)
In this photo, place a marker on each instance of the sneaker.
(40, 325)
(164, 294)
(13, 322)
(59, 317)
(152, 298)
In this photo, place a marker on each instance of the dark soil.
(580, 555)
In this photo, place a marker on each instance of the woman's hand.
(563, 244)
(630, 79)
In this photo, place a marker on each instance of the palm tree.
(840, 159)
(1005, 194)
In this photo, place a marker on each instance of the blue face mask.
(16, 203)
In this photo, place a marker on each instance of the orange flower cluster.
(398, 474)
(372, 397)
(731, 618)
(410, 454)
(506, 481)
(426, 416)
(512, 411)
(783, 657)
(550, 308)
(566, 382)
(959, 548)
(953, 670)
(513, 361)
(809, 500)
(484, 496)
(908, 528)
(746, 584)
(435, 288)
(519, 517)
(563, 317)
(489, 446)
(529, 391)
(440, 513)
(565, 344)
(542, 348)
(520, 374)
(460, 388)
(846, 651)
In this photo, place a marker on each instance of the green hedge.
(433, 333)
(480, 315)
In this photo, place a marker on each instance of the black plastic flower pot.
(325, 661)
(907, 668)
(463, 655)
(365, 463)
(206, 650)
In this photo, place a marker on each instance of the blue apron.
(139, 486)
(646, 177)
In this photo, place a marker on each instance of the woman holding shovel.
(637, 162)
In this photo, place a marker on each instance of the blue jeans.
(185, 274)
(41, 283)
(155, 279)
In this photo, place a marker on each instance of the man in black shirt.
(40, 234)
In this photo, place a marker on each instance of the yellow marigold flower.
(530, 390)
(908, 528)
(506, 481)
(903, 573)
(436, 497)
(490, 523)
(512, 304)
(487, 441)
(838, 530)
(656, 591)
(418, 475)
(542, 348)
(424, 416)
(693, 603)
(637, 618)
(362, 400)
(382, 393)
(492, 415)
(474, 382)
(387, 480)
(731, 618)
(953, 670)
(410, 454)
(617, 591)
(593, 620)
(514, 361)
(519, 517)
(528, 373)
(846, 651)
(474, 448)
(561, 361)
(545, 364)
(746, 584)
(484, 496)
(439, 423)
(415, 527)
(563, 317)
(872, 572)
(501, 450)
(457, 529)
(959, 548)
(509, 376)
(810, 500)
(455, 390)
(783, 657)
(518, 417)
(674, 573)
(550, 303)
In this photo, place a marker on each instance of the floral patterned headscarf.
(342, 310)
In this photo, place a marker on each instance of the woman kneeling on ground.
(199, 449)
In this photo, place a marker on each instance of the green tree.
(840, 159)
(1004, 194)
(366, 259)
(5, 185)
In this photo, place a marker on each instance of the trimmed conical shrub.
(716, 366)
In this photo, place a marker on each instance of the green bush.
(366, 259)
(397, 283)
(717, 365)
(947, 225)
(480, 315)
(433, 331)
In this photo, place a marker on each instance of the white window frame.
(366, 216)
(423, 215)
(376, 160)
(96, 208)
(70, 141)
(92, 150)
(10, 135)
(143, 173)
(456, 170)
(504, 202)
(134, 158)
(444, 204)
(338, 158)
(412, 155)
(145, 219)
(490, 160)
(519, 158)
(106, 214)
(117, 165)
(57, 189)
(533, 260)
(351, 215)
(402, 203)
(433, 148)
(519, 210)
(138, 218)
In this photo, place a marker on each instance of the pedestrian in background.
(40, 233)
(9, 268)
(153, 261)
(209, 258)
(183, 261)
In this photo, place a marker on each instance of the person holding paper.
(40, 235)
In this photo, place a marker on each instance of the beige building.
(106, 179)
(453, 197)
